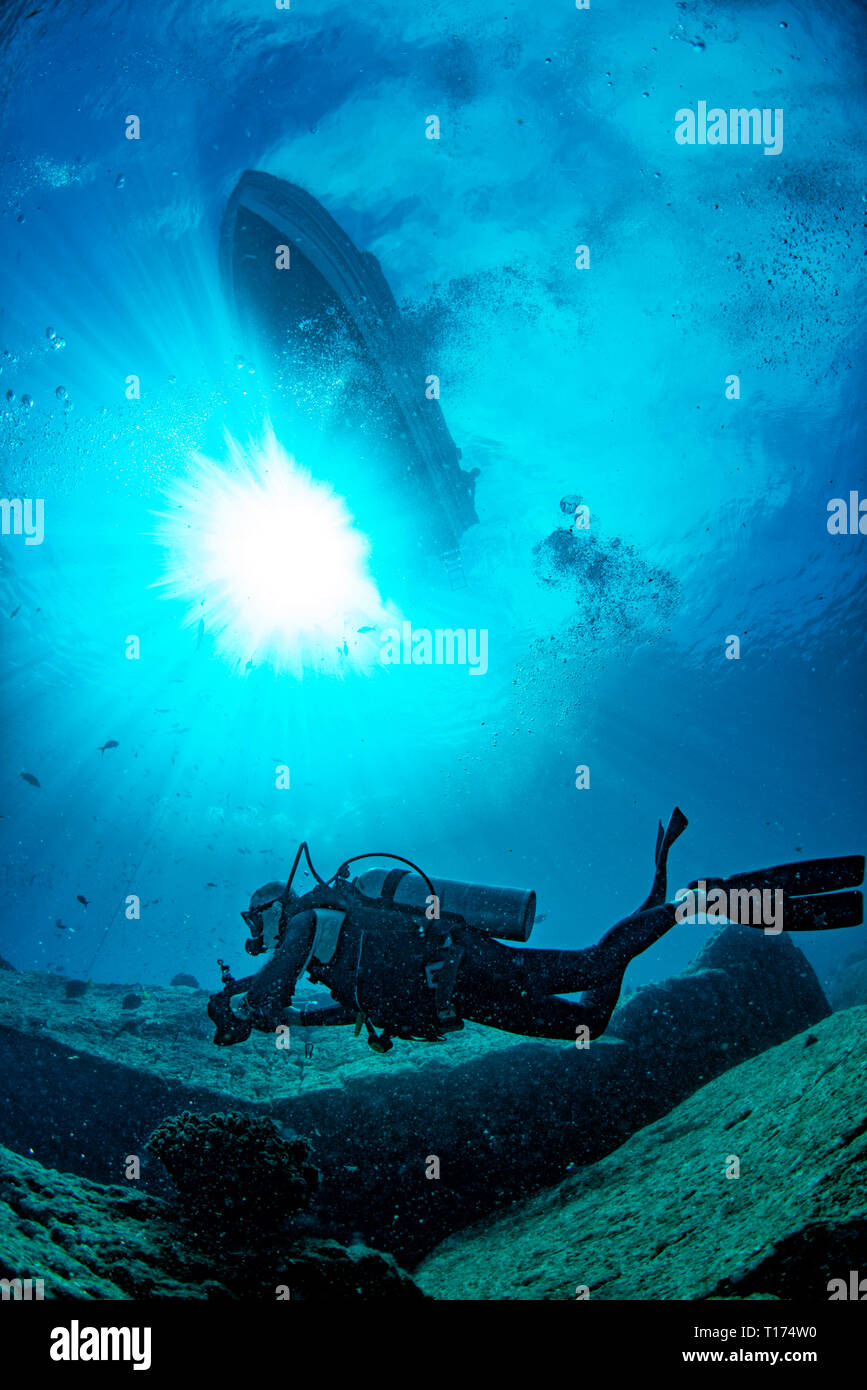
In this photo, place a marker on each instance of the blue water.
(557, 129)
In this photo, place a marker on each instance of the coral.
(87, 1240)
(234, 1173)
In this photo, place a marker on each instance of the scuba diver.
(407, 957)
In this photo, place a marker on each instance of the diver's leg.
(515, 990)
(545, 972)
(536, 1015)
(549, 1017)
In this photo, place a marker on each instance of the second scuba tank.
(502, 912)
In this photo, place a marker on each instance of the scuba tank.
(507, 913)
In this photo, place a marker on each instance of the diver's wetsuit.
(515, 990)
(529, 981)
(383, 966)
(503, 986)
(388, 967)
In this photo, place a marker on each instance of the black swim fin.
(664, 841)
(799, 879)
(812, 896)
(823, 912)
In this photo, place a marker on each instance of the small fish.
(82, 899)
(210, 885)
(15, 610)
(34, 781)
(112, 743)
(61, 926)
(540, 916)
(365, 629)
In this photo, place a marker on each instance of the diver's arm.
(272, 988)
(328, 1016)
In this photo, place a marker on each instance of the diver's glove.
(230, 1027)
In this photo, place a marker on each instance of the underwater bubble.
(27, 401)
(172, 379)
(120, 181)
(61, 393)
(239, 362)
(571, 503)
(50, 334)
(58, 342)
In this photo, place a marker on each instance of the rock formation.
(665, 1218)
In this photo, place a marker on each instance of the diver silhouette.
(409, 958)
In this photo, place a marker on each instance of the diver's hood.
(262, 898)
(332, 288)
(267, 894)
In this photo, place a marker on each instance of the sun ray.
(270, 561)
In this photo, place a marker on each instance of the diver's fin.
(823, 912)
(676, 827)
(812, 896)
(810, 876)
(818, 912)
(664, 841)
